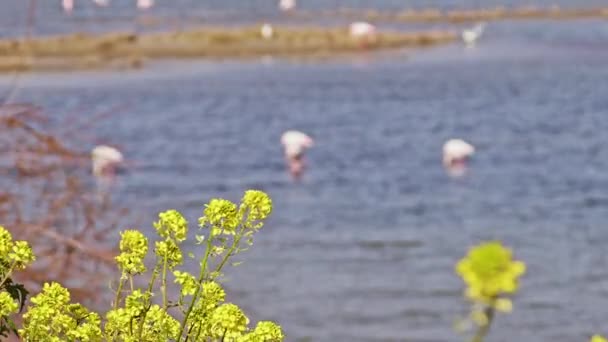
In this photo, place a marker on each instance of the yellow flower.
(490, 271)
(222, 215)
(257, 203)
(598, 338)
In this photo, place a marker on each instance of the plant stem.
(229, 254)
(163, 287)
(484, 329)
(235, 243)
(201, 277)
(198, 332)
(145, 312)
(10, 270)
(118, 292)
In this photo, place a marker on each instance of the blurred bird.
(295, 143)
(145, 4)
(267, 31)
(102, 3)
(470, 36)
(287, 5)
(456, 153)
(363, 32)
(68, 5)
(105, 160)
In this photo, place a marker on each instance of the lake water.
(363, 249)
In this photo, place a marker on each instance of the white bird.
(68, 5)
(145, 4)
(295, 143)
(105, 160)
(470, 36)
(267, 31)
(456, 152)
(102, 3)
(363, 32)
(362, 29)
(287, 5)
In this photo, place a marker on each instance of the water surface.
(363, 248)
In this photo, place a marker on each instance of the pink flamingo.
(267, 31)
(295, 143)
(287, 5)
(105, 161)
(102, 3)
(363, 32)
(456, 153)
(68, 5)
(145, 4)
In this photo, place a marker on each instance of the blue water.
(363, 249)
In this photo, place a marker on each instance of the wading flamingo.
(106, 160)
(295, 143)
(102, 3)
(145, 4)
(365, 33)
(470, 36)
(456, 153)
(287, 5)
(68, 5)
(267, 31)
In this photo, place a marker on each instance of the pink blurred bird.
(287, 5)
(145, 4)
(105, 160)
(456, 153)
(295, 143)
(365, 33)
(68, 5)
(101, 3)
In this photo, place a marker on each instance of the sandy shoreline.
(127, 50)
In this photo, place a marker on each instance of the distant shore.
(470, 15)
(81, 51)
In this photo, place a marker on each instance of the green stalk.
(198, 288)
(149, 291)
(484, 329)
(198, 332)
(118, 292)
(163, 287)
(10, 270)
(235, 244)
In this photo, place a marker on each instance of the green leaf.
(17, 292)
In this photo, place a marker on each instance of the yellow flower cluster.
(17, 254)
(490, 272)
(258, 205)
(51, 317)
(172, 224)
(133, 250)
(222, 216)
(136, 317)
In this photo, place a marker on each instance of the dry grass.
(81, 51)
(491, 14)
